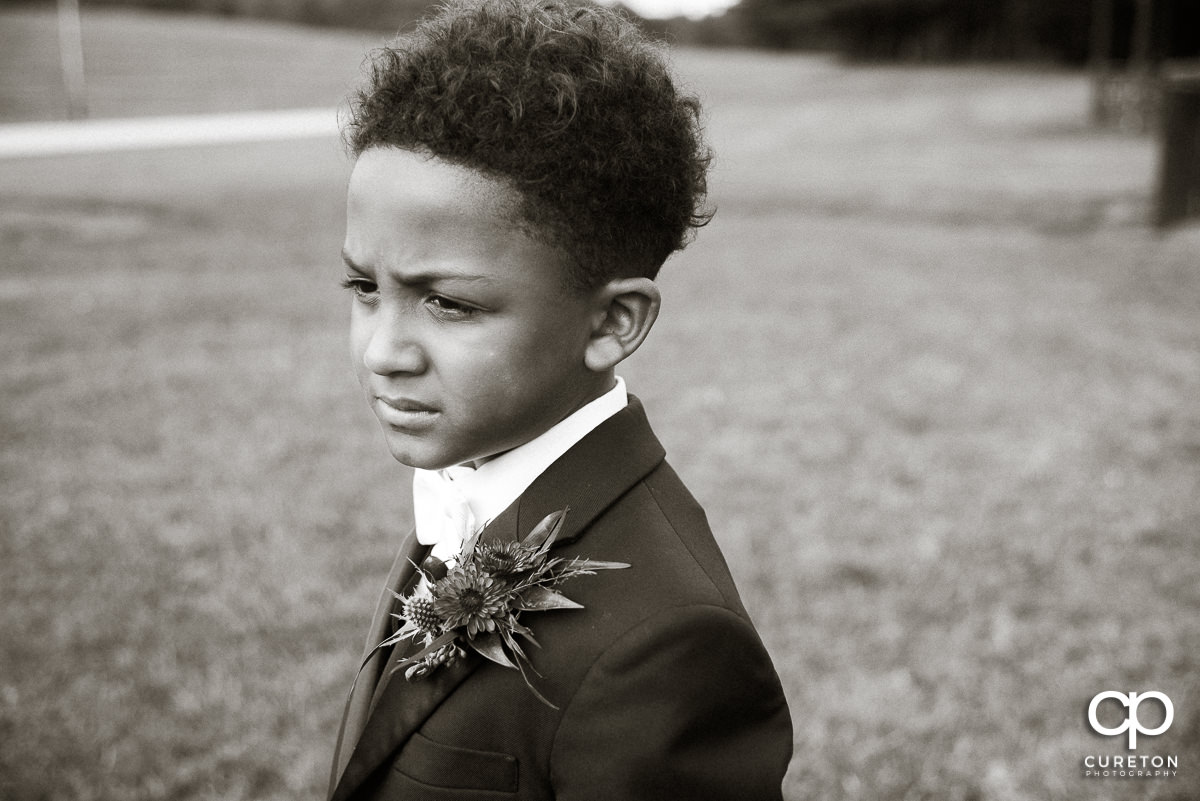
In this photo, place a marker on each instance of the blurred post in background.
(1179, 164)
(1100, 56)
(1132, 42)
(70, 46)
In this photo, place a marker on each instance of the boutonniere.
(478, 604)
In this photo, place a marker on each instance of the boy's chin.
(417, 459)
(423, 455)
(427, 451)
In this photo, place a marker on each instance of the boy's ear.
(626, 309)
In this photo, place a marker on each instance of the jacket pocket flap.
(449, 766)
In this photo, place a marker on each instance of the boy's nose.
(390, 350)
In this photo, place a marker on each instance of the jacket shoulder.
(685, 704)
(660, 529)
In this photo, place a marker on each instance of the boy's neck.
(606, 383)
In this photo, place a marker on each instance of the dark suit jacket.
(663, 686)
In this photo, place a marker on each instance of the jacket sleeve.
(685, 705)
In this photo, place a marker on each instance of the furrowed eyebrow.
(419, 278)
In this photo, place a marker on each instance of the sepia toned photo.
(695, 400)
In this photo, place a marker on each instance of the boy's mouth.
(406, 404)
(403, 412)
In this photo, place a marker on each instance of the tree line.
(892, 30)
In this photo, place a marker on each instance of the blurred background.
(933, 370)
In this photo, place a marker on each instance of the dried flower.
(505, 558)
(477, 603)
(470, 597)
(442, 656)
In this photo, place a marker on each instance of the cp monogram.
(1131, 723)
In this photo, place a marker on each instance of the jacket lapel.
(588, 478)
(358, 704)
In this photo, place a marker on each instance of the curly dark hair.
(571, 105)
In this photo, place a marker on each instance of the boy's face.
(464, 334)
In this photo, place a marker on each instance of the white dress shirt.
(450, 504)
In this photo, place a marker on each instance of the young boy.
(522, 171)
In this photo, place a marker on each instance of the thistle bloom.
(418, 610)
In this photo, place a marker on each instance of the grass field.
(935, 380)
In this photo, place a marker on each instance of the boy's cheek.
(359, 336)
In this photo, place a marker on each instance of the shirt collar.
(493, 486)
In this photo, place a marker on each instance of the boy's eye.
(363, 289)
(449, 309)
